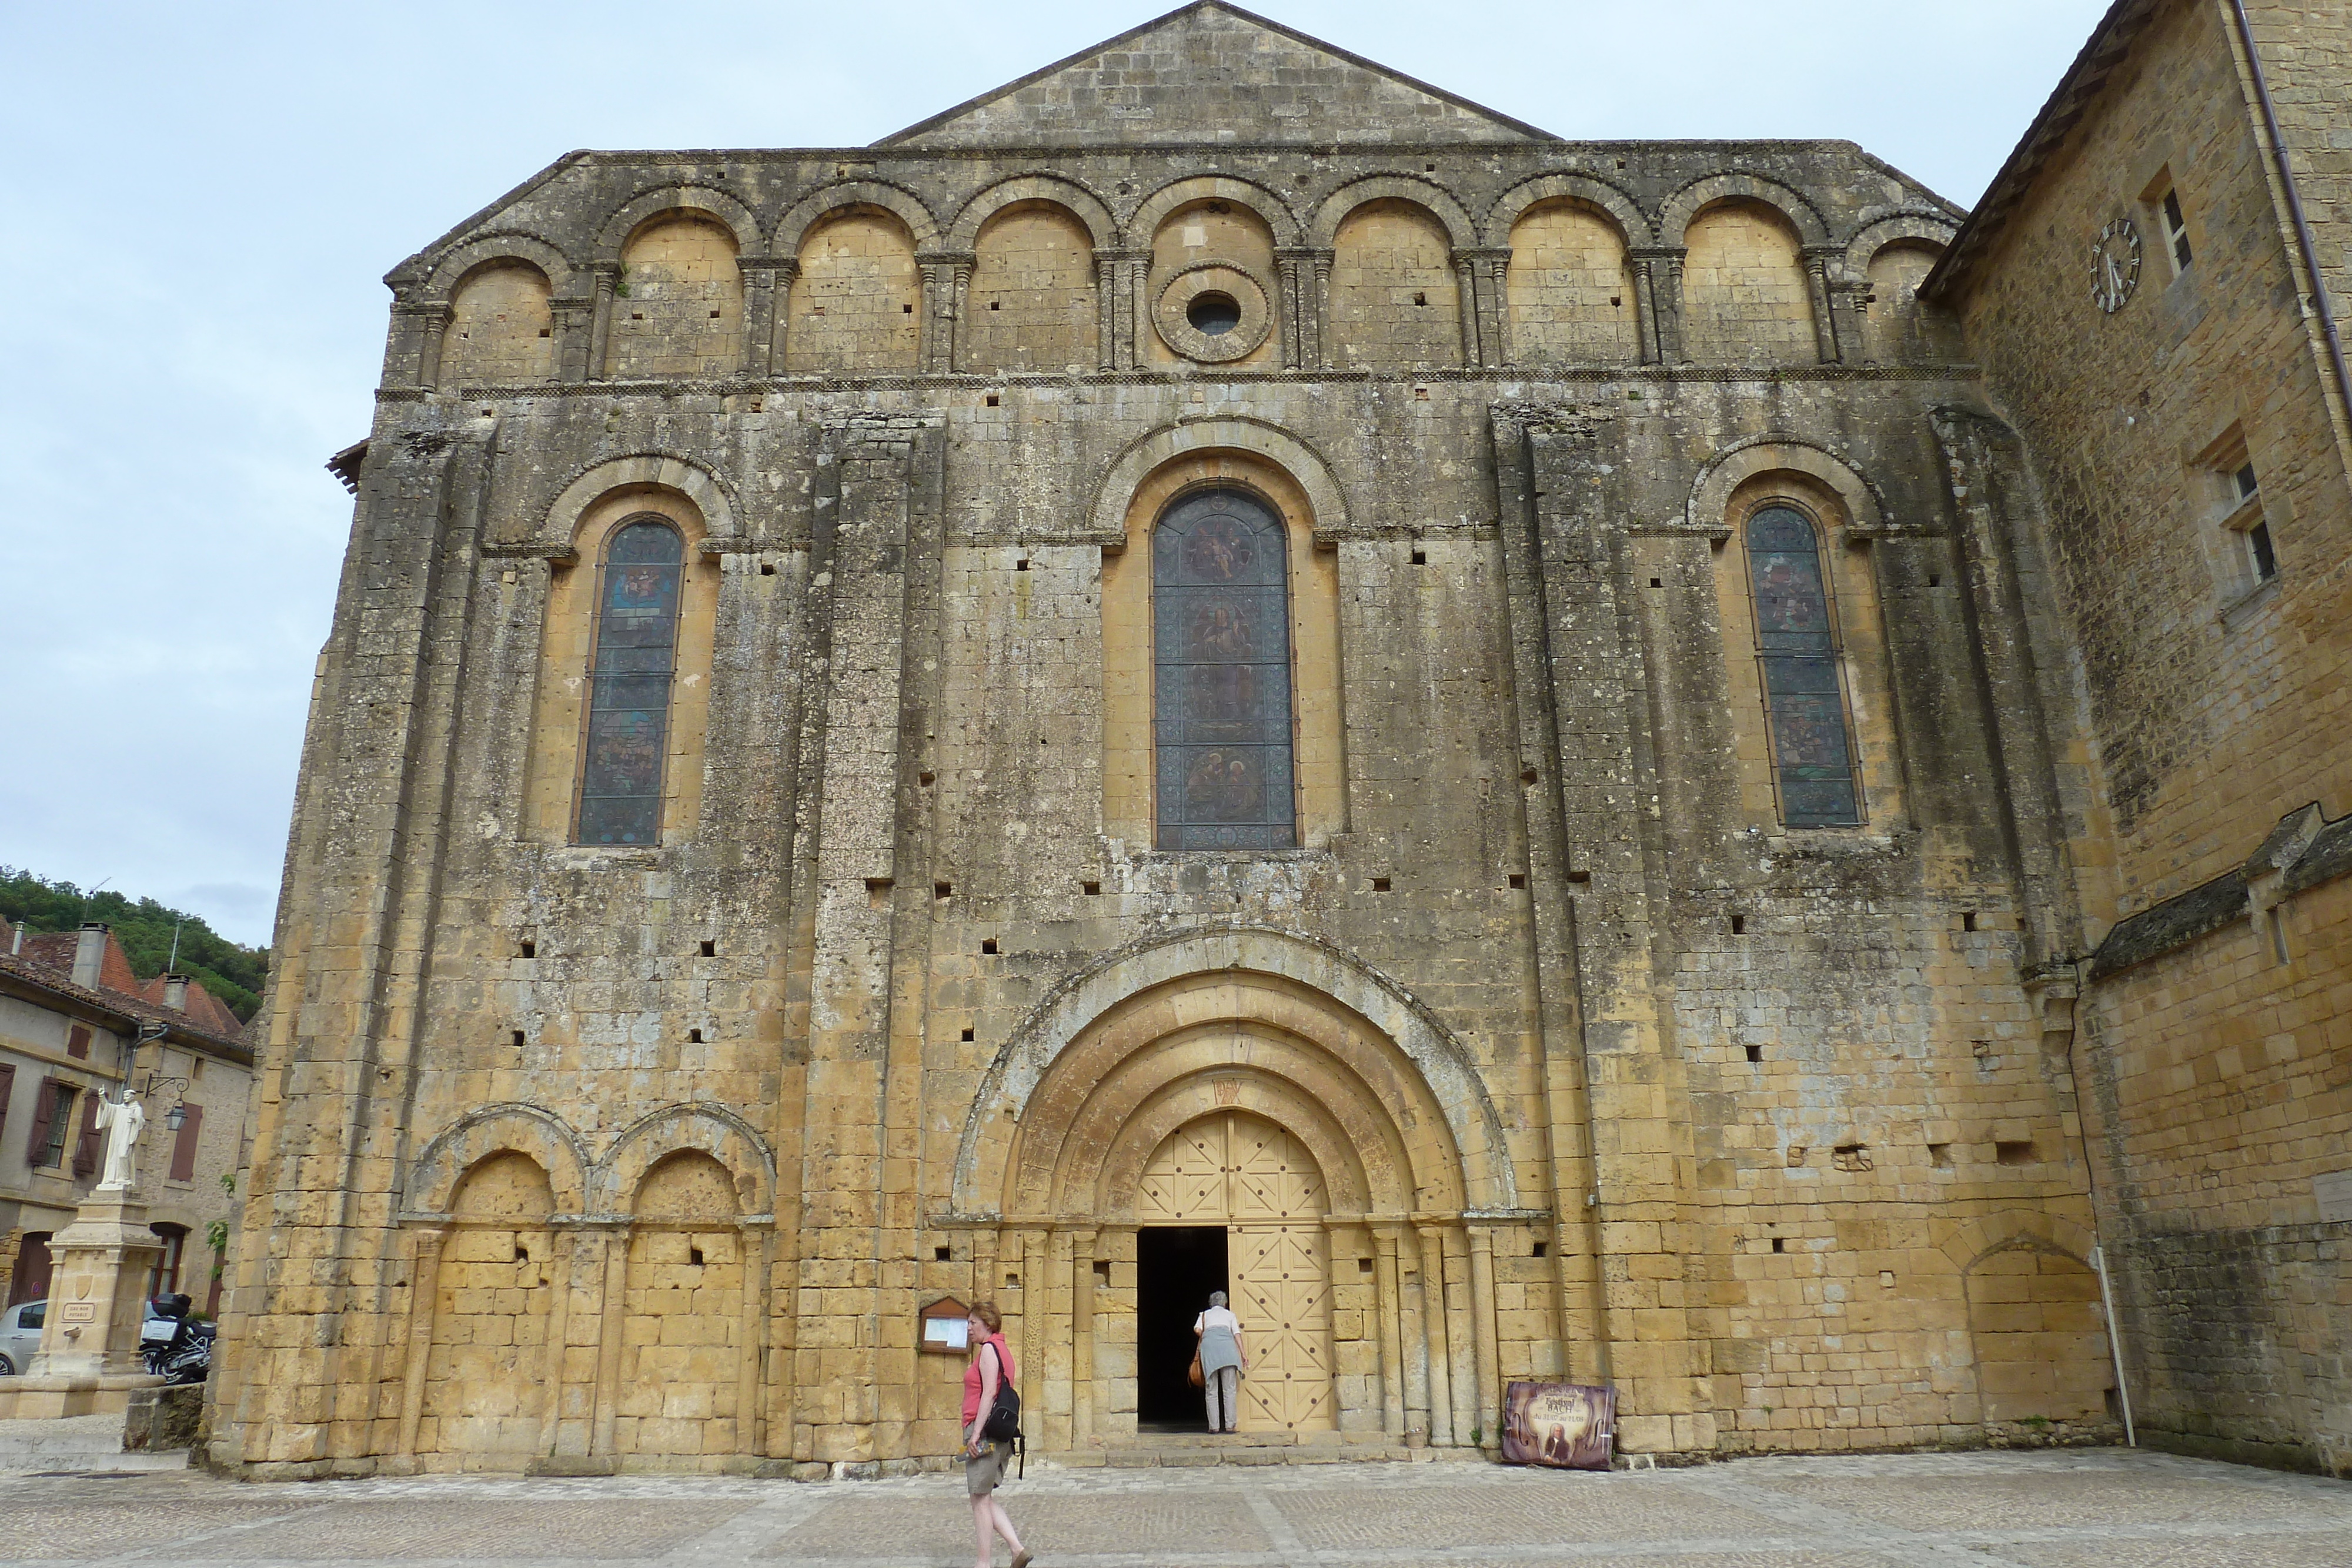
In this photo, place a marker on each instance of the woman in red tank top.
(983, 1459)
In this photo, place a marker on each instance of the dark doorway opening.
(31, 1281)
(1176, 1267)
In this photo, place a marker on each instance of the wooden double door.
(1244, 1171)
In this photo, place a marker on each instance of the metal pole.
(2114, 1342)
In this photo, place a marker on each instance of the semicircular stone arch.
(1426, 194)
(1081, 203)
(706, 202)
(711, 494)
(1099, 1108)
(1153, 210)
(1185, 438)
(1728, 470)
(1108, 1186)
(615, 1181)
(493, 250)
(486, 1133)
(1701, 193)
(784, 238)
(1384, 1021)
(1896, 228)
(1633, 225)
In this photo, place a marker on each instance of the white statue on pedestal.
(123, 1119)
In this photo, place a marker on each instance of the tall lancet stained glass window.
(629, 685)
(1221, 668)
(1797, 645)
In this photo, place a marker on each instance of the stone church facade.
(1220, 669)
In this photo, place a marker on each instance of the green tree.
(234, 974)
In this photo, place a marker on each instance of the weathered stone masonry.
(1546, 1051)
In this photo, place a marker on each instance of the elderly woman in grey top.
(1224, 1356)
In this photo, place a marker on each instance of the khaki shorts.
(982, 1475)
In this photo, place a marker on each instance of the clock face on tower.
(2115, 266)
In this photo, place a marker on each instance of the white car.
(20, 1336)
(20, 1333)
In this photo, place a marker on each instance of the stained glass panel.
(1812, 754)
(629, 685)
(1221, 617)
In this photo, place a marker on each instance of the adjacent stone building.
(2184, 415)
(1220, 669)
(75, 1022)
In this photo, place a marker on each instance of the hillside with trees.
(234, 974)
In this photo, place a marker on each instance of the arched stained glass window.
(1796, 643)
(1221, 669)
(629, 684)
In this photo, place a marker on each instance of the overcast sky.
(204, 199)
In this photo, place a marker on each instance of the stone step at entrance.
(1188, 1449)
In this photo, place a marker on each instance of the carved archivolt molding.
(1295, 457)
(1336, 1052)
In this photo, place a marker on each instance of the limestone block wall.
(907, 911)
(2206, 714)
(1745, 299)
(1571, 291)
(682, 314)
(1030, 305)
(500, 328)
(1394, 298)
(853, 301)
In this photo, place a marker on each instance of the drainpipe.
(2295, 207)
(2114, 1342)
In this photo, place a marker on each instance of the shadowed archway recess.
(1260, 1027)
(1152, 1035)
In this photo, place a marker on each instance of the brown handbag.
(1195, 1376)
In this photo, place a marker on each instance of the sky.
(204, 199)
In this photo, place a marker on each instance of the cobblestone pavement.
(2107, 1508)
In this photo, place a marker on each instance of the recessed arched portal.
(1331, 1139)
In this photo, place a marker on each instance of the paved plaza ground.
(2103, 1508)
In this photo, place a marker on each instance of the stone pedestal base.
(36, 1398)
(89, 1361)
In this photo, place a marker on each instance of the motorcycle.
(175, 1349)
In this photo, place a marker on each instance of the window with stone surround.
(44, 1148)
(2164, 200)
(638, 590)
(1222, 701)
(1813, 755)
(2247, 557)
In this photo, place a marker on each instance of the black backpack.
(1003, 1423)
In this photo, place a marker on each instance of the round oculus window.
(1213, 313)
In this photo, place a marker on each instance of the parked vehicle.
(176, 1349)
(20, 1335)
(166, 1336)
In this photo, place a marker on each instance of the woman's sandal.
(1021, 1560)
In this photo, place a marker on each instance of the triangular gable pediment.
(1212, 72)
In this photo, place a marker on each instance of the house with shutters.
(75, 1019)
